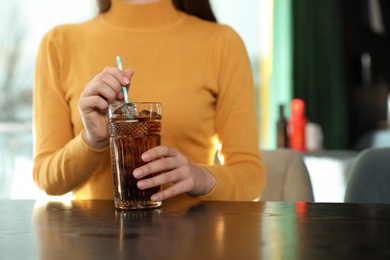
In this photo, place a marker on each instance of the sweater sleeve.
(59, 153)
(242, 176)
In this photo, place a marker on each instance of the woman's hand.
(185, 176)
(102, 90)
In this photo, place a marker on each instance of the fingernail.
(155, 198)
(137, 173)
(145, 157)
(125, 80)
(141, 184)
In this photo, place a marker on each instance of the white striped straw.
(124, 89)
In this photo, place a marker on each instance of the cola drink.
(134, 128)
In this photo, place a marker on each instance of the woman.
(179, 56)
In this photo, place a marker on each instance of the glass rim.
(136, 107)
(137, 102)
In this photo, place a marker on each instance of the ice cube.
(148, 114)
(126, 110)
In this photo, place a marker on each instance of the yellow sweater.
(198, 70)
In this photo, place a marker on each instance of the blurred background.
(333, 54)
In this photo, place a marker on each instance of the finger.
(158, 152)
(169, 192)
(108, 84)
(100, 88)
(89, 104)
(160, 179)
(122, 77)
(162, 164)
(128, 74)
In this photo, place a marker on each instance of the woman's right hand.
(102, 90)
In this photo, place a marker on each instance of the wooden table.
(192, 230)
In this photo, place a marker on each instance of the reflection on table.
(194, 230)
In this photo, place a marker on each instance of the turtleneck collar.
(154, 16)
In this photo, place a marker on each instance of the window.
(23, 23)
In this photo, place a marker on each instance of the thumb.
(129, 74)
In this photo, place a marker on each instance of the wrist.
(208, 179)
(96, 145)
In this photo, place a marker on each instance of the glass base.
(134, 205)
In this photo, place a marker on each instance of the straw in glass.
(124, 89)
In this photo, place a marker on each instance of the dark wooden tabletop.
(194, 230)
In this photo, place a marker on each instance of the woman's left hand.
(185, 176)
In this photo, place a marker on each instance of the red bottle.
(297, 125)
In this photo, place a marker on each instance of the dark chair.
(287, 177)
(369, 181)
